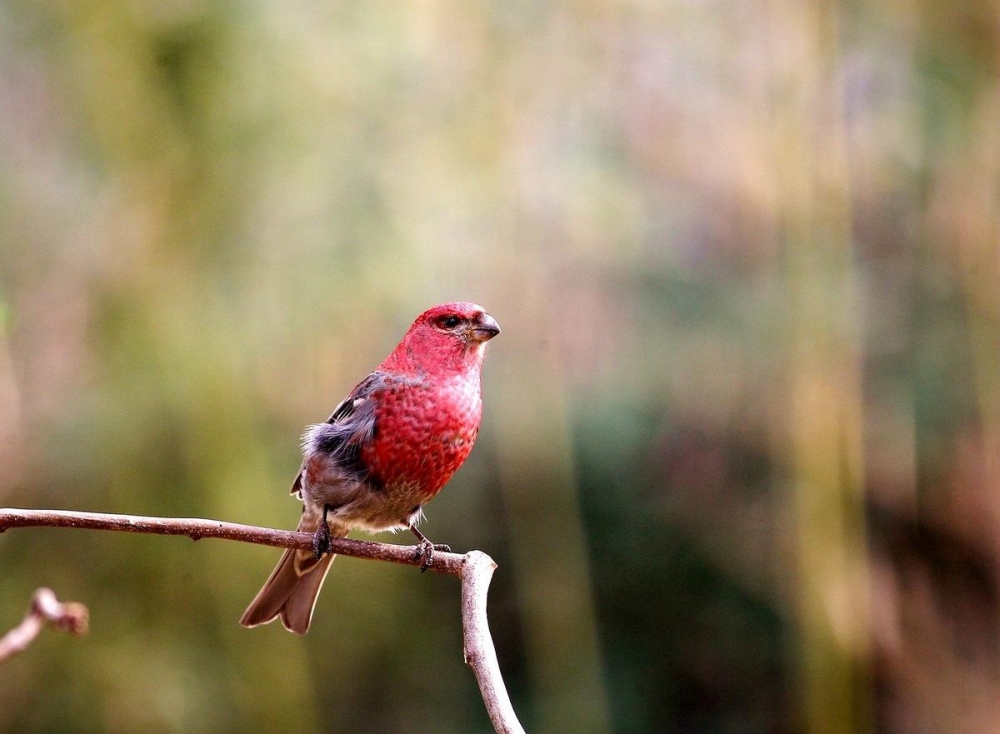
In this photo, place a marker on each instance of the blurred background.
(741, 445)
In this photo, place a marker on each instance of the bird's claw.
(321, 540)
(425, 554)
(425, 551)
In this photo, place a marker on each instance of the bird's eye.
(450, 322)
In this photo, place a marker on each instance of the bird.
(386, 450)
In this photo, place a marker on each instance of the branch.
(475, 569)
(71, 616)
(480, 655)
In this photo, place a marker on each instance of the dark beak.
(485, 328)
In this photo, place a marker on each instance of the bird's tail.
(291, 590)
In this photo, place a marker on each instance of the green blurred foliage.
(741, 445)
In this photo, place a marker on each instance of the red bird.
(388, 449)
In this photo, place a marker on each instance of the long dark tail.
(291, 590)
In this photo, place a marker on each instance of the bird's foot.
(321, 538)
(425, 550)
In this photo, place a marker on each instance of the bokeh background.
(741, 446)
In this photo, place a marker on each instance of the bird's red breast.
(424, 434)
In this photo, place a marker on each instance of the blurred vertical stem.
(825, 419)
(11, 430)
(973, 195)
(540, 492)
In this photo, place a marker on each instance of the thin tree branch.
(197, 528)
(45, 608)
(475, 569)
(480, 655)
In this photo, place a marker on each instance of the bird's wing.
(349, 427)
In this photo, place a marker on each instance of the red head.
(450, 337)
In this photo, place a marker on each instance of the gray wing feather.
(349, 427)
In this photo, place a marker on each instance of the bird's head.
(447, 336)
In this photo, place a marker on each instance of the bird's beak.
(484, 329)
